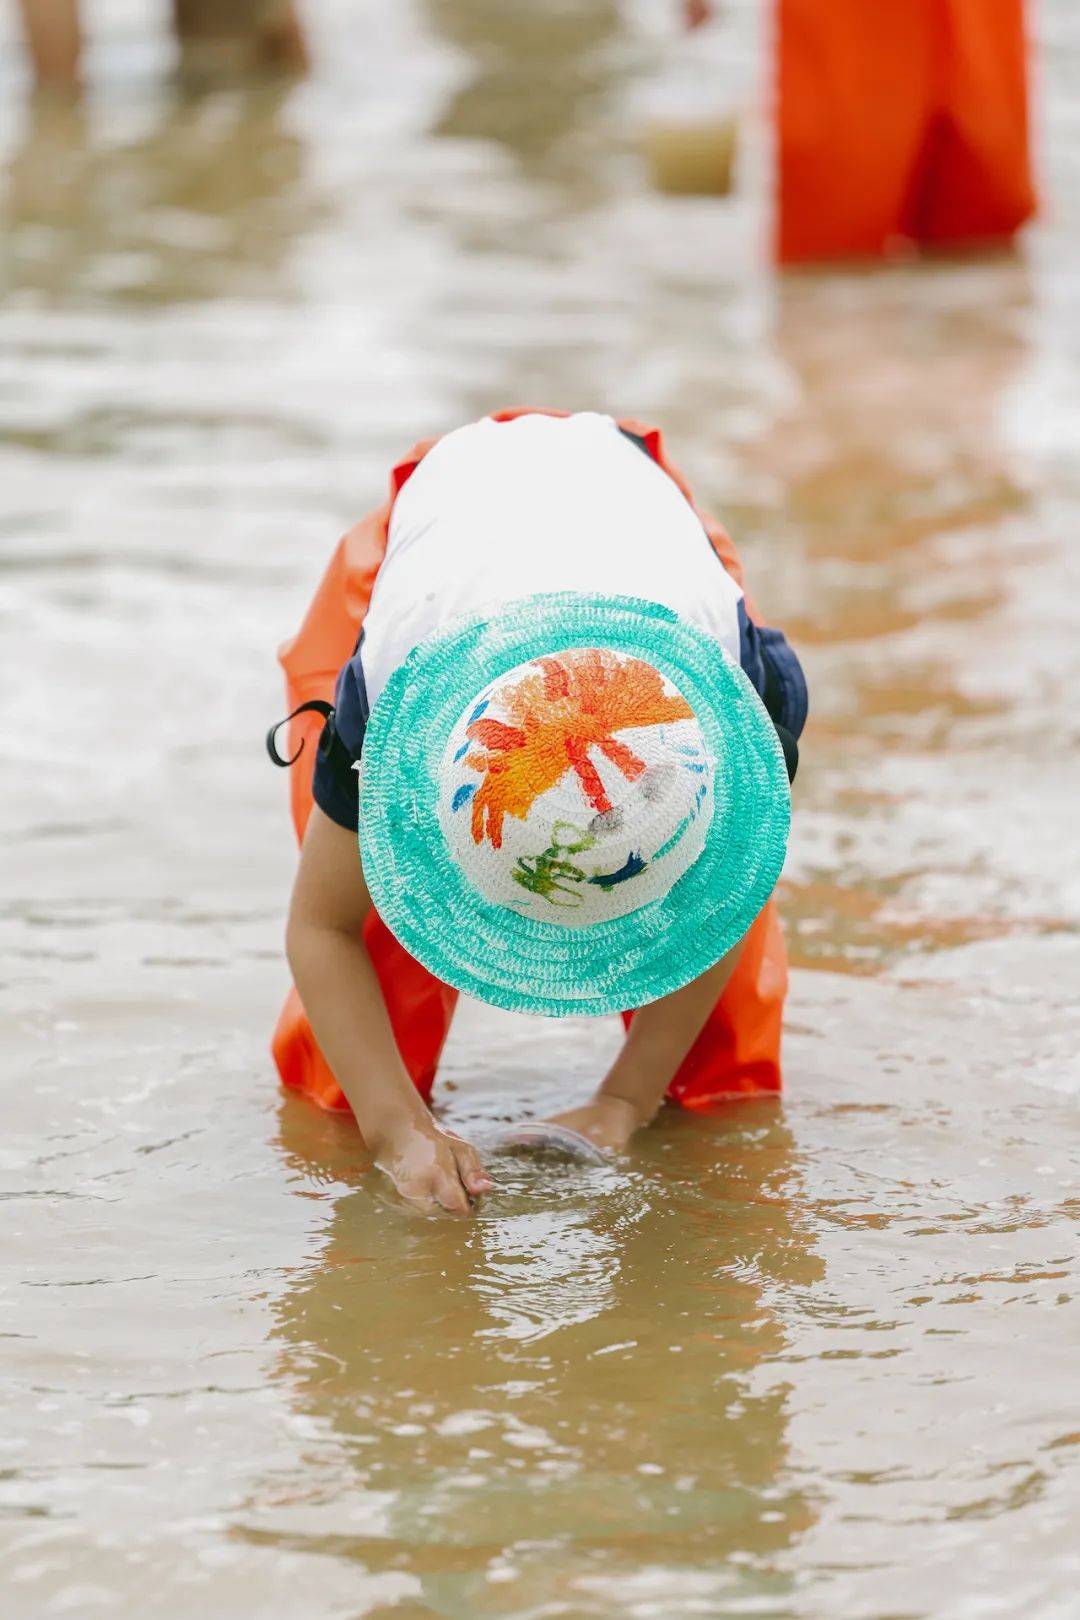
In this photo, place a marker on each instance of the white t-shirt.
(501, 510)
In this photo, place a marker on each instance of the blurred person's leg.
(54, 41)
(977, 183)
(283, 41)
(899, 119)
(854, 90)
(241, 35)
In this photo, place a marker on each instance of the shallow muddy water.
(796, 1360)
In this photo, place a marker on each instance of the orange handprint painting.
(575, 702)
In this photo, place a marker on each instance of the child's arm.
(342, 998)
(658, 1039)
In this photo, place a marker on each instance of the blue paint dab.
(462, 751)
(608, 880)
(463, 795)
(478, 711)
(698, 770)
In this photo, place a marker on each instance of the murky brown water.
(792, 1361)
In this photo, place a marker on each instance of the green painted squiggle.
(551, 874)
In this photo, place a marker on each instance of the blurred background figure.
(901, 122)
(52, 36)
(214, 36)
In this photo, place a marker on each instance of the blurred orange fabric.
(738, 1051)
(900, 120)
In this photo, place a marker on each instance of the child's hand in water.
(610, 1122)
(433, 1168)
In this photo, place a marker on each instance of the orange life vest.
(738, 1051)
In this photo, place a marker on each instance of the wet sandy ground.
(796, 1360)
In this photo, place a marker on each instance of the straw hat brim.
(520, 962)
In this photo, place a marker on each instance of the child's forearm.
(341, 996)
(660, 1037)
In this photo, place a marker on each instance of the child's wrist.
(625, 1106)
(633, 1080)
(384, 1128)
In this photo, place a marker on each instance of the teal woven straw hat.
(575, 805)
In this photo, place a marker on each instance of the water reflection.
(538, 70)
(586, 1364)
(891, 436)
(900, 548)
(230, 1355)
(207, 202)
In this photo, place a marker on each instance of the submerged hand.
(434, 1169)
(610, 1122)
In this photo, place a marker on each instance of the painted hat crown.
(577, 787)
(532, 822)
